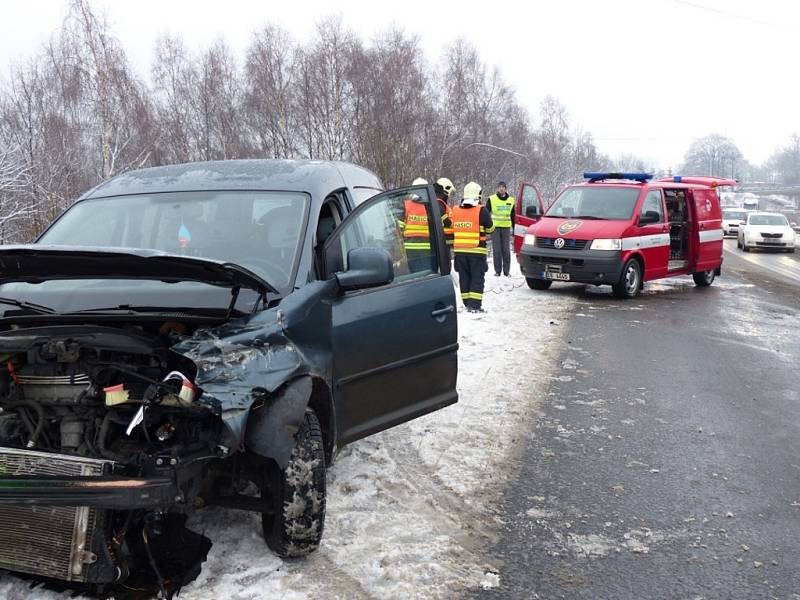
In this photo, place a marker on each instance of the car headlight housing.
(529, 239)
(606, 245)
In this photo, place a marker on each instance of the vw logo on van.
(559, 243)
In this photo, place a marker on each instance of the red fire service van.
(621, 229)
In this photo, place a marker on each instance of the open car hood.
(35, 263)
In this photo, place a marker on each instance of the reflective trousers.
(471, 269)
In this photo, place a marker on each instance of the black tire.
(630, 282)
(298, 495)
(738, 243)
(704, 278)
(745, 247)
(538, 284)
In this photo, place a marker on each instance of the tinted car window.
(258, 230)
(400, 223)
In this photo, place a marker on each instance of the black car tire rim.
(631, 278)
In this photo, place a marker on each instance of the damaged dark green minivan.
(207, 334)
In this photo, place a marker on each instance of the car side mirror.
(742, 223)
(366, 268)
(532, 211)
(649, 217)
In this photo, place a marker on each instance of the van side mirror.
(532, 211)
(649, 217)
(366, 267)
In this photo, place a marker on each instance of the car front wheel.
(745, 247)
(538, 284)
(704, 279)
(630, 282)
(294, 528)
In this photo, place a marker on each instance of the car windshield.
(595, 202)
(734, 215)
(257, 230)
(768, 220)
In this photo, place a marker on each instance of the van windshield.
(595, 202)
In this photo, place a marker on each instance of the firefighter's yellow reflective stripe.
(488, 229)
(478, 250)
(466, 296)
(417, 246)
(472, 296)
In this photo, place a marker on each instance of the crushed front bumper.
(581, 266)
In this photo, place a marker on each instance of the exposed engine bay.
(98, 401)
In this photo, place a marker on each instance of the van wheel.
(538, 284)
(738, 243)
(704, 279)
(630, 282)
(298, 495)
(745, 247)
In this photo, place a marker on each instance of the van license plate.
(557, 276)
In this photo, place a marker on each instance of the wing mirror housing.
(366, 268)
(532, 212)
(649, 217)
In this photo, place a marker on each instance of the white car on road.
(731, 217)
(765, 230)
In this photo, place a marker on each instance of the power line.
(736, 16)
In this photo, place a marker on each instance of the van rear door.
(527, 211)
(706, 230)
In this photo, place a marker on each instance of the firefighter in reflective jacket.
(416, 234)
(471, 224)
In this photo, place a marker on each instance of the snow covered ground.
(411, 510)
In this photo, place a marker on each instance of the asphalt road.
(665, 461)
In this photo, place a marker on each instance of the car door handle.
(440, 313)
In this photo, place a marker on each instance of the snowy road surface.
(412, 510)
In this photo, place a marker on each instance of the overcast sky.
(644, 76)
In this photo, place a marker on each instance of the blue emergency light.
(641, 177)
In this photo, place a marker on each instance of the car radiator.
(50, 541)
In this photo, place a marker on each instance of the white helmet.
(472, 191)
(447, 185)
(419, 181)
